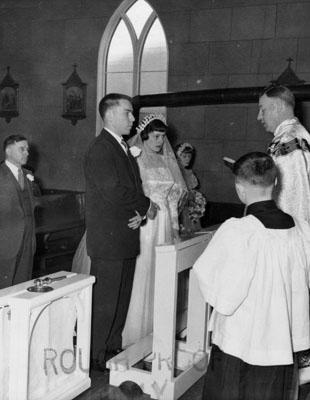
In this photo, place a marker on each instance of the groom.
(115, 208)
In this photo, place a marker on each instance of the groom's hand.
(135, 221)
(152, 211)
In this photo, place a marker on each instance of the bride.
(163, 183)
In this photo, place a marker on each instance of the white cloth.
(51, 361)
(81, 262)
(293, 189)
(161, 186)
(257, 280)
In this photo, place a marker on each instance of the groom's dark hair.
(111, 100)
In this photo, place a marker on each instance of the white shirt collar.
(118, 138)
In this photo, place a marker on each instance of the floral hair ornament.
(149, 118)
(183, 146)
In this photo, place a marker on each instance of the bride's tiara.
(149, 118)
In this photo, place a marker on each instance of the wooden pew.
(60, 224)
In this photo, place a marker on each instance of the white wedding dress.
(160, 184)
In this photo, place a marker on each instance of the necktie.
(20, 177)
(124, 144)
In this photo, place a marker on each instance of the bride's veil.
(168, 155)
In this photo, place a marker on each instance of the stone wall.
(230, 44)
(212, 44)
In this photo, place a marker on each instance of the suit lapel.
(14, 184)
(115, 144)
(11, 178)
(135, 169)
(28, 185)
(128, 159)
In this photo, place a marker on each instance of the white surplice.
(257, 280)
(293, 189)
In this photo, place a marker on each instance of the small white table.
(45, 339)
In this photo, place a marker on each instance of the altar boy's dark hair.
(256, 168)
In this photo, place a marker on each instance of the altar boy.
(255, 274)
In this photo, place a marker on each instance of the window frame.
(138, 47)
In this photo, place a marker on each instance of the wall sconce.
(8, 97)
(74, 98)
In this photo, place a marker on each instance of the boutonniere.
(135, 151)
(30, 177)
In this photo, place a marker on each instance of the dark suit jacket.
(113, 193)
(12, 221)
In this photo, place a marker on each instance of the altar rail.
(175, 365)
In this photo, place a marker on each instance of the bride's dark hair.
(155, 125)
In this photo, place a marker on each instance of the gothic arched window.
(133, 54)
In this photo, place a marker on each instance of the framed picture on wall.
(74, 98)
(75, 101)
(8, 97)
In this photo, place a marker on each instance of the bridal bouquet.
(197, 206)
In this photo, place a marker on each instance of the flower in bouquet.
(197, 206)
